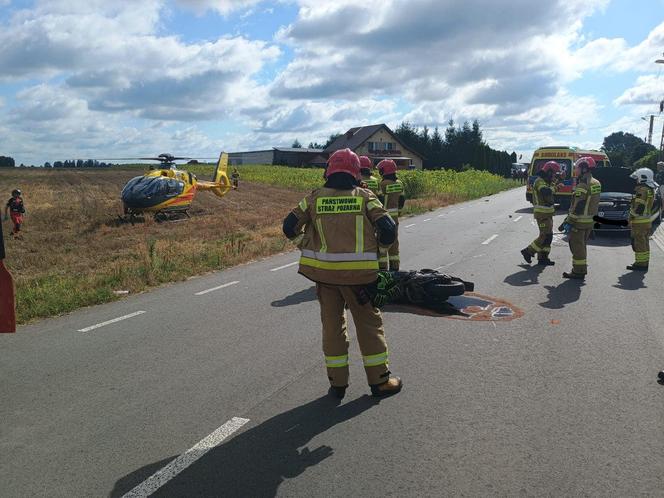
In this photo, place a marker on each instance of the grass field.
(74, 253)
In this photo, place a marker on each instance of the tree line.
(459, 148)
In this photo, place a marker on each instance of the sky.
(130, 78)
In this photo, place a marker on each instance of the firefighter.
(16, 210)
(235, 178)
(342, 226)
(585, 204)
(392, 196)
(544, 189)
(368, 179)
(640, 217)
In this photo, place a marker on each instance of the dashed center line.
(216, 288)
(517, 218)
(490, 239)
(285, 266)
(428, 219)
(441, 215)
(161, 477)
(108, 322)
(411, 225)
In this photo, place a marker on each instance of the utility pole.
(661, 108)
(652, 124)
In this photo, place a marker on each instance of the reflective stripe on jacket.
(586, 200)
(392, 190)
(643, 196)
(339, 246)
(543, 199)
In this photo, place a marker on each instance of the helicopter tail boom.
(220, 183)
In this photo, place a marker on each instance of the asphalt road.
(562, 401)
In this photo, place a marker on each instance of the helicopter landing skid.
(174, 215)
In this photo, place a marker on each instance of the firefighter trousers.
(578, 239)
(641, 243)
(370, 335)
(542, 244)
(388, 259)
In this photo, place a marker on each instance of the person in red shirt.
(16, 210)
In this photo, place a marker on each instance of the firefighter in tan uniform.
(544, 189)
(585, 204)
(368, 179)
(342, 226)
(392, 195)
(640, 217)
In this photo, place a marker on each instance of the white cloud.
(648, 91)
(224, 7)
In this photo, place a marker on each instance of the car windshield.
(565, 166)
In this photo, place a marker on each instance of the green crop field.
(457, 186)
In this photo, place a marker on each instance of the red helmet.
(365, 162)
(387, 167)
(586, 161)
(343, 161)
(551, 166)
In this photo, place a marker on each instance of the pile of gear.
(424, 288)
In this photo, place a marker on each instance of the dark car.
(616, 197)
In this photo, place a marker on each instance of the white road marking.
(216, 288)
(411, 225)
(108, 322)
(161, 477)
(444, 266)
(285, 266)
(428, 219)
(517, 218)
(490, 239)
(441, 215)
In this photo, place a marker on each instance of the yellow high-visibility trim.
(535, 247)
(339, 265)
(336, 361)
(595, 189)
(303, 204)
(374, 204)
(640, 220)
(321, 234)
(579, 262)
(359, 234)
(375, 360)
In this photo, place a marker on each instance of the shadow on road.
(566, 293)
(525, 210)
(528, 276)
(632, 280)
(303, 296)
(257, 461)
(610, 239)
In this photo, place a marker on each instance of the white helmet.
(644, 175)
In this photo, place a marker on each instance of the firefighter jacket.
(339, 246)
(392, 191)
(372, 184)
(585, 203)
(543, 198)
(641, 209)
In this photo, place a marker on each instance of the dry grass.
(73, 253)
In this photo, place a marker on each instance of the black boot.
(636, 267)
(545, 261)
(574, 276)
(527, 256)
(391, 386)
(337, 391)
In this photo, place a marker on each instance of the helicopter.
(167, 192)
